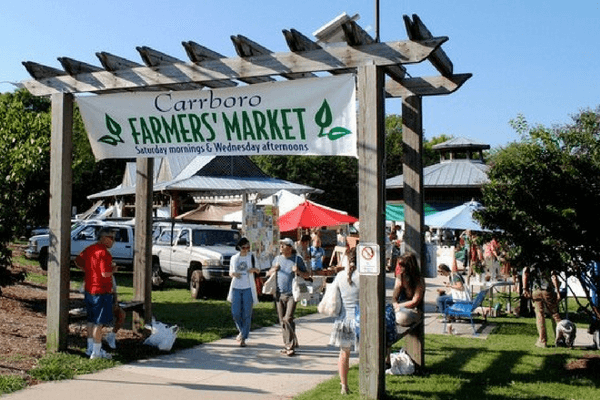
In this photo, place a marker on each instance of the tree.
(25, 125)
(543, 192)
(24, 145)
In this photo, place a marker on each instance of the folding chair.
(465, 309)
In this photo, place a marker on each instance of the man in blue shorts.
(97, 264)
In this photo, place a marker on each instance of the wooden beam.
(155, 58)
(74, 67)
(357, 36)
(299, 43)
(425, 86)
(59, 254)
(417, 30)
(326, 59)
(142, 257)
(39, 71)
(247, 48)
(412, 137)
(112, 63)
(198, 53)
(371, 173)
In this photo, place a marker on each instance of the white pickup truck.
(198, 254)
(83, 234)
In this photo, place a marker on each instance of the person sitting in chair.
(409, 291)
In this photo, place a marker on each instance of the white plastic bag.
(402, 364)
(331, 304)
(163, 336)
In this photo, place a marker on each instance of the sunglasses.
(246, 247)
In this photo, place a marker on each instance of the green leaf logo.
(115, 132)
(323, 118)
(338, 132)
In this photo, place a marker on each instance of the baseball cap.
(287, 242)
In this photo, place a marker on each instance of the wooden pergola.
(381, 73)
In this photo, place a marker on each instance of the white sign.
(368, 257)
(314, 116)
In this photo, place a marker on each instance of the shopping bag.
(163, 336)
(331, 304)
(300, 289)
(270, 286)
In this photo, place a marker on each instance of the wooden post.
(371, 150)
(59, 254)
(412, 136)
(142, 260)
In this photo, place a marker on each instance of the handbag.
(300, 289)
(330, 305)
(270, 286)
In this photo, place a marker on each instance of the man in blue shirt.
(287, 265)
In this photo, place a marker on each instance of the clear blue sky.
(537, 58)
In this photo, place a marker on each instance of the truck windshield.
(214, 237)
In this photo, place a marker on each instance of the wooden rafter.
(356, 36)
(74, 67)
(198, 53)
(247, 48)
(40, 71)
(417, 30)
(326, 59)
(155, 58)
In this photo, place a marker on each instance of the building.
(185, 182)
(455, 180)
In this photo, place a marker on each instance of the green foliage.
(11, 383)
(58, 366)
(543, 193)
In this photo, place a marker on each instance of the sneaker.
(540, 344)
(89, 351)
(242, 343)
(239, 337)
(102, 354)
(111, 340)
(345, 390)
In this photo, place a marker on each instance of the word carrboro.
(303, 117)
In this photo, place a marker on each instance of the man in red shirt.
(96, 262)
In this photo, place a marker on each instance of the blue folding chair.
(465, 309)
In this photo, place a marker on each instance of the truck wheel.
(44, 259)
(196, 283)
(157, 276)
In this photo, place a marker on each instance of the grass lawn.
(506, 365)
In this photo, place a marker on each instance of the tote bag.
(270, 286)
(331, 304)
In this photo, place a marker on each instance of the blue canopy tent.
(460, 217)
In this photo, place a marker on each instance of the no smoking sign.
(368, 258)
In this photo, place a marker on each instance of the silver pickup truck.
(83, 234)
(198, 254)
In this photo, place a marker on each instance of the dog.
(565, 333)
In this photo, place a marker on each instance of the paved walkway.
(223, 370)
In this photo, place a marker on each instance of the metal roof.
(461, 143)
(448, 174)
(207, 176)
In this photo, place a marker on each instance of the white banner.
(301, 117)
